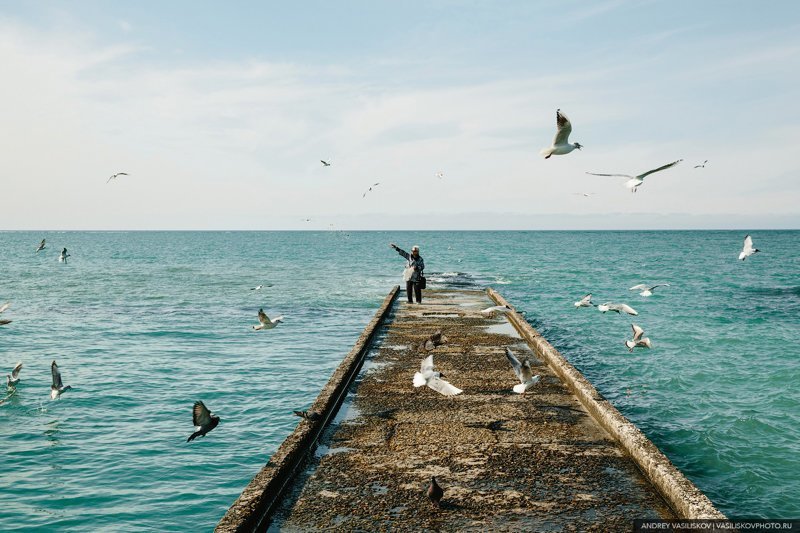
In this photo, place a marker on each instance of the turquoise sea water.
(142, 324)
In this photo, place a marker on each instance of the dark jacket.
(418, 264)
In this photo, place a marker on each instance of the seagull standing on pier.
(265, 322)
(617, 308)
(41, 246)
(747, 249)
(57, 388)
(638, 341)
(523, 371)
(561, 143)
(427, 376)
(13, 378)
(636, 181)
(203, 420)
(647, 290)
(114, 176)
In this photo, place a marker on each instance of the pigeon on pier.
(265, 322)
(427, 376)
(13, 378)
(617, 308)
(638, 341)
(561, 145)
(435, 493)
(647, 290)
(437, 339)
(747, 249)
(203, 420)
(523, 371)
(586, 301)
(57, 388)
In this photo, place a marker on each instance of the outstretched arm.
(399, 250)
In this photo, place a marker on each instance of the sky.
(221, 112)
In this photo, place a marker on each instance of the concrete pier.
(558, 457)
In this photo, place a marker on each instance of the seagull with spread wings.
(13, 378)
(617, 308)
(634, 182)
(57, 388)
(586, 301)
(203, 420)
(561, 144)
(114, 176)
(523, 371)
(647, 290)
(703, 165)
(265, 322)
(747, 249)
(638, 340)
(427, 376)
(370, 189)
(41, 246)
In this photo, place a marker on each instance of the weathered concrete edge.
(252, 509)
(685, 499)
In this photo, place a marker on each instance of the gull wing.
(427, 364)
(5, 306)
(659, 169)
(201, 416)
(658, 285)
(263, 318)
(638, 287)
(564, 128)
(15, 372)
(625, 308)
(586, 299)
(57, 383)
(637, 332)
(443, 387)
(748, 243)
(614, 175)
(516, 364)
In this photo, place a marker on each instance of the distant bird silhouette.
(703, 165)
(5, 306)
(265, 322)
(586, 301)
(638, 340)
(259, 287)
(203, 420)
(57, 388)
(440, 174)
(561, 145)
(636, 181)
(325, 163)
(114, 176)
(308, 415)
(62, 258)
(372, 187)
(435, 492)
(523, 371)
(617, 308)
(647, 290)
(41, 246)
(13, 378)
(747, 249)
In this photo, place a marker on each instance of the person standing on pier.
(413, 275)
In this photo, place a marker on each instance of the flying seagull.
(636, 181)
(325, 163)
(5, 306)
(647, 290)
(584, 194)
(617, 308)
(426, 376)
(747, 249)
(586, 301)
(368, 190)
(703, 165)
(62, 258)
(638, 341)
(491, 311)
(13, 378)
(57, 388)
(114, 176)
(41, 246)
(561, 145)
(440, 174)
(523, 371)
(265, 322)
(435, 492)
(203, 420)
(308, 415)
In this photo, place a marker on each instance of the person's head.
(415, 250)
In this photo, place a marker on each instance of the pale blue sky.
(221, 113)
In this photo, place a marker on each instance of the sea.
(143, 324)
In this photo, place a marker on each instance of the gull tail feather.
(419, 380)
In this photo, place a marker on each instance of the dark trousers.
(412, 285)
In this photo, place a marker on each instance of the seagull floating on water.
(62, 258)
(617, 308)
(703, 165)
(41, 246)
(427, 376)
(523, 371)
(586, 301)
(435, 492)
(647, 290)
(13, 378)
(372, 187)
(638, 341)
(747, 249)
(325, 163)
(266, 322)
(203, 420)
(636, 181)
(57, 388)
(561, 145)
(114, 176)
